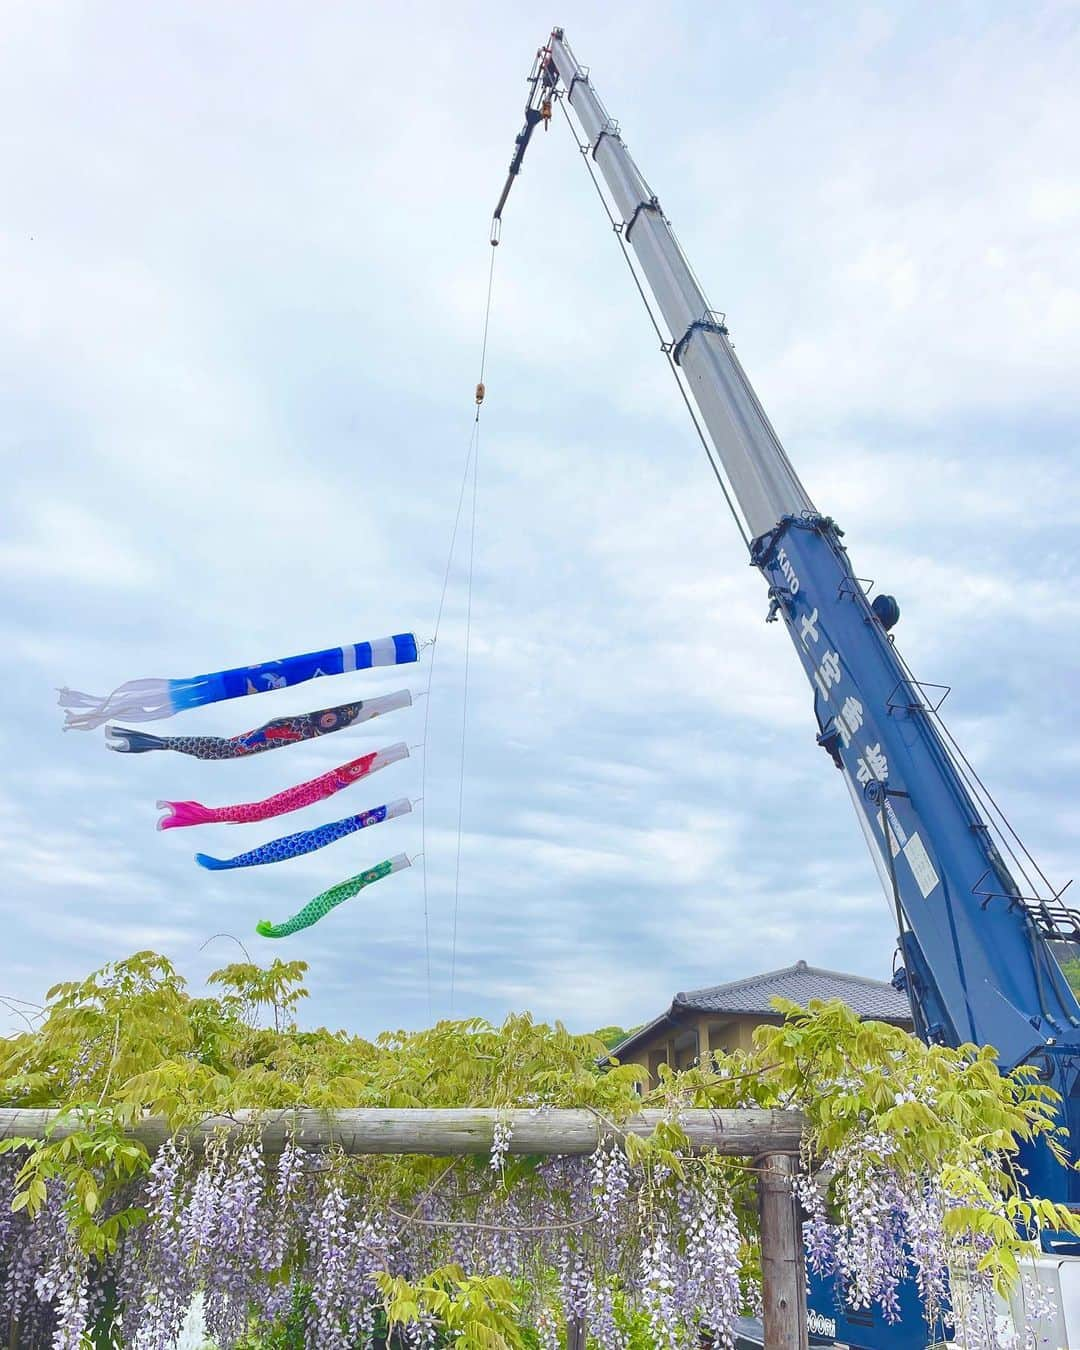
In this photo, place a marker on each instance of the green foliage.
(250, 987)
(664, 1148)
(94, 1160)
(637, 1333)
(476, 1311)
(290, 1333)
(130, 1040)
(613, 1036)
(1071, 970)
(943, 1111)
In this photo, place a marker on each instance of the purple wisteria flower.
(500, 1145)
(547, 1329)
(573, 1280)
(710, 1287)
(328, 1237)
(658, 1284)
(158, 1280)
(241, 1237)
(610, 1177)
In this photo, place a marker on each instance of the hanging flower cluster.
(597, 1241)
(582, 1239)
(896, 1227)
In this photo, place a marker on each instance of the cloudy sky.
(244, 258)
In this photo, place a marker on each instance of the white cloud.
(62, 542)
(242, 323)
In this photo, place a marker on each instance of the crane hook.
(480, 391)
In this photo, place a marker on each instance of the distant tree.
(611, 1036)
(1070, 969)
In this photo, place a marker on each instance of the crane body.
(981, 935)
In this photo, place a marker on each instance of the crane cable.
(480, 393)
(472, 463)
(427, 715)
(470, 466)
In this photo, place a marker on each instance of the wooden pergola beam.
(772, 1138)
(446, 1132)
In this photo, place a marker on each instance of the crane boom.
(765, 485)
(980, 951)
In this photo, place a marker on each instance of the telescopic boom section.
(761, 476)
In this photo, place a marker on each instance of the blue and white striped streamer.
(149, 700)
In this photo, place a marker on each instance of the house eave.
(643, 1033)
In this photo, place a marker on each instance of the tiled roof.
(800, 983)
(874, 999)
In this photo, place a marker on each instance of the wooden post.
(783, 1266)
(575, 1334)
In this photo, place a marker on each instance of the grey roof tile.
(800, 983)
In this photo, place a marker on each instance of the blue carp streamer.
(148, 700)
(307, 841)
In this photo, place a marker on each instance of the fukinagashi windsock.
(307, 841)
(318, 908)
(292, 799)
(270, 736)
(149, 700)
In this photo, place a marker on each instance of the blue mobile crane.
(982, 935)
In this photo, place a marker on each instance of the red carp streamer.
(292, 799)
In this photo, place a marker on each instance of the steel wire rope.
(475, 456)
(665, 345)
(427, 709)
(464, 714)
(981, 793)
(487, 322)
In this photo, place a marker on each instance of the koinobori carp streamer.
(292, 799)
(307, 841)
(318, 908)
(270, 736)
(149, 700)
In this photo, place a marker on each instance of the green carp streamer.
(315, 909)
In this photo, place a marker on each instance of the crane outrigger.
(982, 935)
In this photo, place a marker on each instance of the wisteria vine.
(596, 1240)
(582, 1238)
(910, 1178)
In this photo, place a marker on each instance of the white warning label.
(922, 869)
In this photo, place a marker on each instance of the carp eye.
(328, 719)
